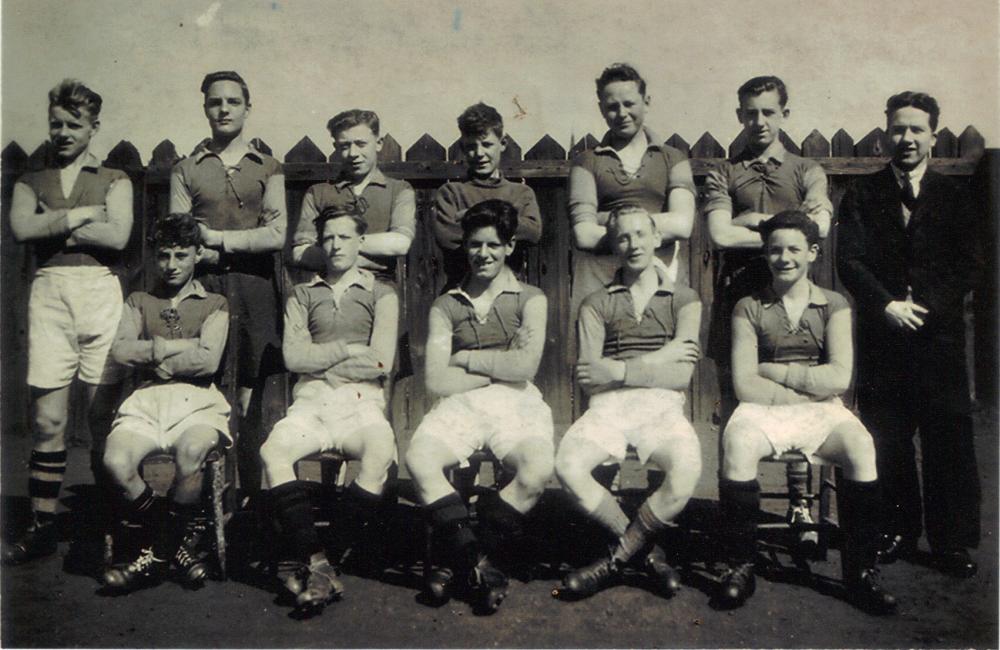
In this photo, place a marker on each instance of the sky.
(418, 64)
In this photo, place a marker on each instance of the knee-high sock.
(740, 504)
(859, 503)
(609, 514)
(458, 545)
(45, 478)
(294, 511)
(645, 525)
(501, 526)
(170, 535)
(365, 525)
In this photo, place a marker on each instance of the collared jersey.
(90, 188)
(497, 329)
(349, 319)
(781, 341)
(625, 336)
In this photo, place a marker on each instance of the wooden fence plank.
(970, 143)
(391, 151)
(873, 145)
(13, 159)
(512, 153)
(842, 145)
(426, 149)
(261, 146)
(677, 142)
(946, 145)
(164, 156)
(305, 150)
(546, 149)
(815, 146)
(707, 147)
(583, 144)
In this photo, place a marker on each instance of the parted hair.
(335, 212)
(175, 229)
(354, 117)
(73, 96)
(492, 213)
(763, 84)
(923, 101)
(620, 72)
(791, 220)
(621, 211)
(226, 75)
(480, 119)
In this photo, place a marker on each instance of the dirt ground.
(55, 603)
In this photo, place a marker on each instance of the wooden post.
(946, 145)
(425, 149)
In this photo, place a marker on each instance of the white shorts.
(331, 415)
(802, 427)
(645, 418)
(499, 417)
(73, 314)
(162, 412)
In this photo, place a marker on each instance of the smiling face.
(486, 252)
(357, 147)
(70, 134)
(226, 109)
(911, 136)
(341, 242)
(789, 255)
(762, 117)
(623, 108)
(176, 264)
(635, 241)
(482, 154)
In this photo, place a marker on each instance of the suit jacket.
(939, 254)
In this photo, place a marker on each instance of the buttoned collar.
(775, 152)
(194, 289)
(915, 175)
(375, 177)
(653, 141)
(816, 297)
(506, 281)
(355, 276)
(202, 151)
(664, 283)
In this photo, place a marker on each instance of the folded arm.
(199, 357)
(28, 224)
(825, 380)
(672, 365)
(520, 362)
(114, 231)
(441, 378)
(749, 384)
(300, 353)
(374, 361)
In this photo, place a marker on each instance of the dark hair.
(353, 211)
(480, 119)
(175, 229)
(72, 96)
(620, 72)
(791, 220)
(763, 84)
(922, 101)
(225, 75)
(354, 117)
(621, 211)
(492, 213)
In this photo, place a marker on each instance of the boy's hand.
(460, 359)
(159, 351)
(906, 315)
(522, 338)
(776, 372)
(209, 257)
(210, 238)
(600, 372)
(750, 219)
(682, 351)
(267, 216)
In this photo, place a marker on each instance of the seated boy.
(483, 143)
(174, 336)
(792, 358)
(638, 346)
(340, 336)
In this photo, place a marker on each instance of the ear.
(739, 114)
(199, 252)
(503, 143)
(813, 252)
(933, 139)
(785, 112)
(96, 124)
(647, 99)
(379, 141)
(511, 245)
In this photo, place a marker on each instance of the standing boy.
(340, 336)
(78, 215)
(238, 194)
(907, 249)
(483, 143)
(174, 335)
(741, 194)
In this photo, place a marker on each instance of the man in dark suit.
(908, 250)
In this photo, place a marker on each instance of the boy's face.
(789, 254)
(70, 135)
(482, 153)
(176, 264)
(761, 116)
(357, 147)
(225, 108)
(486, 253)
(341, 242)
(623, 108)
(911, 136)
(635, 241)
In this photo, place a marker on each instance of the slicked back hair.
(923, 101)
(74, 97)
(620, 72)
(225, 75)
(351, 118)
(763, 84)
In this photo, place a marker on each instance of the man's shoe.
(737, 584)
(588, 580)
(867, 594)
(295, 582)
(798, 516)
(489, 585)
(666, 578)
(37, 541)
(322, 586)
(439, 584)
(147, 568)
(191, 568)
(896, 547)
(957, 563)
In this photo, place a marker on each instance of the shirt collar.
(775, 151)
(816, 297)
(664, 283)
(202, 151)
(376, 177)
(354, 276)
(193, 290)
(507, 282)
(915, 175)
(89, 162)
(652, 139)
(486, 182)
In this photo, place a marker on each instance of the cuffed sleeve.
(201, 359)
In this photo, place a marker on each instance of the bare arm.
(677, 222)
(750, 386)
(441, 378)
(113, 232)
(519, 363)
(27, 224)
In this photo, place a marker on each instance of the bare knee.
(50, 423)
(534, 470)
(859, 449)
(571, 469)
(120, 463)
(742, 451)
(191, 455)
(379, 450)
(421, 463)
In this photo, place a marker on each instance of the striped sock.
(610, 515)
(645, 525)
(46, 470)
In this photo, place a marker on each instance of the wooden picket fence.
(545, 166)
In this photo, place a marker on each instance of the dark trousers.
(951, 491)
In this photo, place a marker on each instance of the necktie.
(908, 195)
